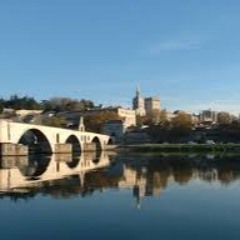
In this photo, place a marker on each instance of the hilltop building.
(139, 104)
(117, 128)
(144, 106)
(128, 115)
(151, 104)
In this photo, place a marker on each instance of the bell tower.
(138, 103)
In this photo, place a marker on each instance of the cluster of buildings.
(141, 107)
(118, 129)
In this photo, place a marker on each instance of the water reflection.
(62, 176)
(26, 174)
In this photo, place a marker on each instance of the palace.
(144, 106)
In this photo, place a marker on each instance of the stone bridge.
(20, 138)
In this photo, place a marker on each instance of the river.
(120, 196)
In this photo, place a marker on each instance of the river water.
(120, 196)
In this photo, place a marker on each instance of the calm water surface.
(120, 196)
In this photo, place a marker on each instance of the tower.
(152, 104)
(81, 126)
(138, 103)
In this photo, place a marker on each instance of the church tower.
(138, 103)
(81, 126)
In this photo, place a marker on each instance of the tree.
(152, 118)
(156, 117)
(163, 119)
(67, 104)
(1, 107)
(223, 118)
(181, 124)
(15, 102)
(54, 121)
(95, 121)
(140, 120)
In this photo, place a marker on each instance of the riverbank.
(229, 147)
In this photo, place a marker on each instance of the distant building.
(143, 106)
(116, 129)
(24, 112)
(195, 119)
(170, 116)
(208, 117)
(139, 104)
(128, 115)
(151, 104)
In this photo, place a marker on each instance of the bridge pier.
(91, 147)
(61, 148)
(11, 149)
(8, 162)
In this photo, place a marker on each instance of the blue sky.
(187, 52)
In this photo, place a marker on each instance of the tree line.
(93, 122)
(181, 128)
(57, 104)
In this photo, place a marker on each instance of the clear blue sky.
(185, 51)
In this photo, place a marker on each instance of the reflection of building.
(23, 173)
(137, 182)
(142, 183)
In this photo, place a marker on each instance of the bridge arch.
(36, 140)
(35, 167)
(96, 157)
(97, 144)
(110, 141)
(74, 162)
(76, 146)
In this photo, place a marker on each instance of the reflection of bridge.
(47, 139)
(18, 172)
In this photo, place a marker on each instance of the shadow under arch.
(93, 156)
(111, 140)
(76, 146)
(35, 167)
(96, 144)
(36, 141)
(73, 163)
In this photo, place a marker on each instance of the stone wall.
(63, 148)
(10, 149)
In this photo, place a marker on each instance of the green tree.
(95, 121)
(181, 124)
(223, 118)
(15, 102)
(163, 119)
(54, 121)
(152, 118)
(67, 104)
(1, 107)
(140, 120)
